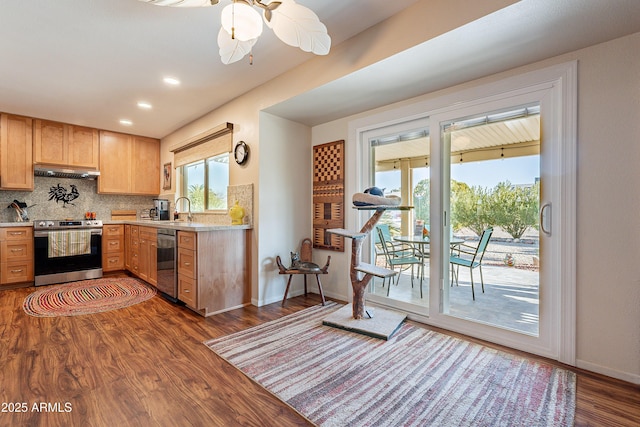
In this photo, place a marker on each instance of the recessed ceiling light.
(171, 81)
(144, 105)
(126, 122)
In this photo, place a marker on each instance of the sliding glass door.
(399, 159)
(492, 184)
(494, 176)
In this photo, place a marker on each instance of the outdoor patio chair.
(399, 249)
(400, 255)
(471, 257)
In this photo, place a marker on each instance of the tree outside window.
(205, 183)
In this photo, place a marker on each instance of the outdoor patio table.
(422, 242)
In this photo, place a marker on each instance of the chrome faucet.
(189, 217)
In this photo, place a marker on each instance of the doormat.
(87, 297)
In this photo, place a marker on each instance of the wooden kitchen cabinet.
(213, 270)
(145, 171)
(65, 145)
(16, 152)
(112, 247)
(16, 255)
(129, 164)
(187, 268)
(148, 255)
(134, 250)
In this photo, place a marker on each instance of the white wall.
(608, 219)
(284, 199)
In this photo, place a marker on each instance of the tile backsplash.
(62, 198)
(66, 198)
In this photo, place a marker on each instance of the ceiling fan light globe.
(241, 20)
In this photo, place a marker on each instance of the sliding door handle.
(544, 214)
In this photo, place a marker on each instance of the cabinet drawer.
(187, 290)
(16, 272)
(16, 233)
(113, 262)
(135, 244)
(17, 250)
(187, 240)
(112, 230)
(134, 231)
(112, 245)
(148, 233)
(187, 263)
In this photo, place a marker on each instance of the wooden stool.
(305, 257)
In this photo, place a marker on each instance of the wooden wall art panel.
(328, 195)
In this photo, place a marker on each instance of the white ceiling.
(88, 62)
(520, 34)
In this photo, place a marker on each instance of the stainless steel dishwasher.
(167, 270)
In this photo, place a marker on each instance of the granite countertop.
(182, 225)
(175, 225)
(17, 224)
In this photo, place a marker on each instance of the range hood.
(43, 170)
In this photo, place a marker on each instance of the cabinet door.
(143, 260)
(115, 163)
(153, 262)
(16, 152)
(145, 174)
(49, 142)
(127, 247)
(83, 147)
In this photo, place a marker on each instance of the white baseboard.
(620, 375)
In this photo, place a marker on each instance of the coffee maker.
(160, 210)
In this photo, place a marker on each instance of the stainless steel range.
(68, 250)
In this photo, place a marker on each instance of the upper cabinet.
(129, 164)
(61, 144)
(16, 152)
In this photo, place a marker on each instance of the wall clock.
(241, 152)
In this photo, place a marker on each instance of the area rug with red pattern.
(418, 377)
(87, 297)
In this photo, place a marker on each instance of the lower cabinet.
(16, 255)
(133, 255)
(112, 247)
(213, 270)
(141, 254)
(187, 268)
(148, 255)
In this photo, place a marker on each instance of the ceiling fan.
(292, 23)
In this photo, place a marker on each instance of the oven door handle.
(45, 233)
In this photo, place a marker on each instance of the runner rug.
(417, 378)
(87, 297)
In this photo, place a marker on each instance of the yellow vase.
(236, 213)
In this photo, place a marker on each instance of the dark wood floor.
(146, 366)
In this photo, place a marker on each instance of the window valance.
(215, 141)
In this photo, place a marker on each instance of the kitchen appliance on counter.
(160, 210)
(167, 271)
(68, 250)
